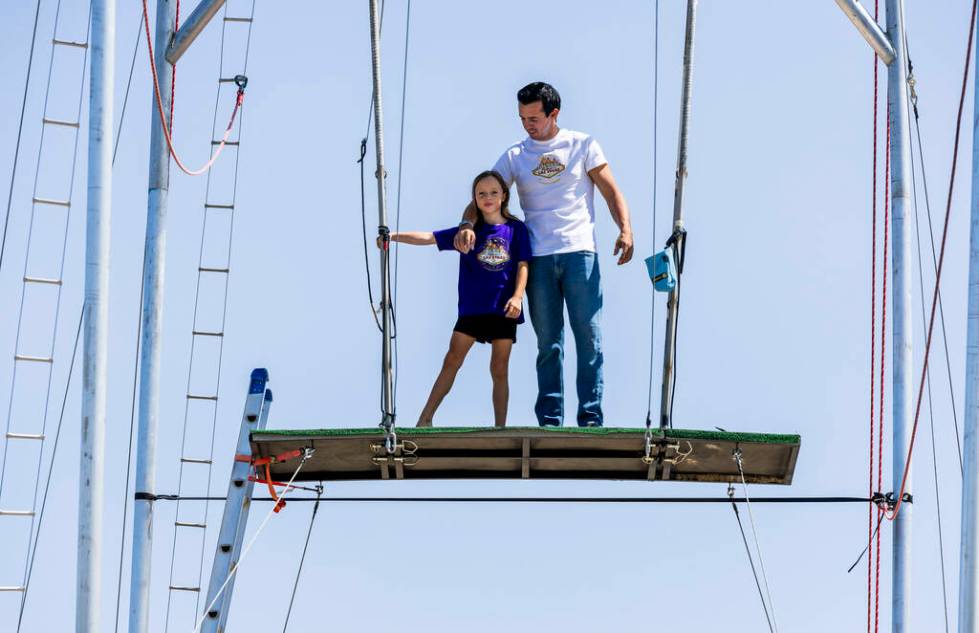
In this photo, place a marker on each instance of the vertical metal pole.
(969, 566)
(149, 362)
(901, 184)
(96, 315)
(387, 421)
(673, 301)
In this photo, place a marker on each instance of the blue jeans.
(570, 279)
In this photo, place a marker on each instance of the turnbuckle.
(648, 448)
(888, 501)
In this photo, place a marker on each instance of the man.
(556, 172)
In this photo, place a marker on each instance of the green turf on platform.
(719, 436)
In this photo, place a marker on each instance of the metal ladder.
(40, 302)
(236, 508)
(207, 335)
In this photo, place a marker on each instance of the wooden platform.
(530, 453)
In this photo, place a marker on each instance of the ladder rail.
(225, 600)
(235, 515)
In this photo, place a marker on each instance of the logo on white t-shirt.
(494, 255)
(548, 167)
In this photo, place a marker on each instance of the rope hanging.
(240, 80)
(873, 345)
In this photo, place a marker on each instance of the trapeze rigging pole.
(192, 27)
(678, 236)
(869, 29)
(902, 407)
(969, 566)
(152, 316)
(901, 184)
(96, 312)
(387, 420)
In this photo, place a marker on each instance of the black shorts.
(487, 327)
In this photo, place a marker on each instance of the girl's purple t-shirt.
(488, 273)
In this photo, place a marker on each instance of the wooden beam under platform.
(530, 453)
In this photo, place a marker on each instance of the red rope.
(873, 348)
(883, 365)
(163, 117)
(173, 76)
(938, 273)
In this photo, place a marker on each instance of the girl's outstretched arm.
(416, 238)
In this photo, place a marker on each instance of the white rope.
(255, 536)
(754, 536)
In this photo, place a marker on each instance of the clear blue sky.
(774, 332)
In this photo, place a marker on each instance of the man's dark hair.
(539, 91)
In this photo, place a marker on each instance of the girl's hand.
(513, 307)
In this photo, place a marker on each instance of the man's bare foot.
(501, 425)
(424, 423)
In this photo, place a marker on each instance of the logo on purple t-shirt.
(488, 273)
(494, 255)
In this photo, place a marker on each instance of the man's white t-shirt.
(556, 193)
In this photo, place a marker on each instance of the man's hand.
(623, 247)
(602, 177)
(513, 307)
(465, 239)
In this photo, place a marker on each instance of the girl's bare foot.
(424, 423)
(501, 425)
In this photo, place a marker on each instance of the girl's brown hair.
(490, 173)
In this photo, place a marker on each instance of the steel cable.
(397, 213)
(912, 98)
(938, 274)
(36, 516)
(302, 559)
(20, 131)
(754, 534)
(652, 309)
(751, 561)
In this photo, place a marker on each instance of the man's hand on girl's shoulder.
(465, 239)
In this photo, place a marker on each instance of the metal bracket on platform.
(402, 456)
(661, 455)
(657, 460)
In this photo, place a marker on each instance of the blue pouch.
(662, 271)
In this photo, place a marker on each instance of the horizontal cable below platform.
(144, 496)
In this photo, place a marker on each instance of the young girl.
(492, 280)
